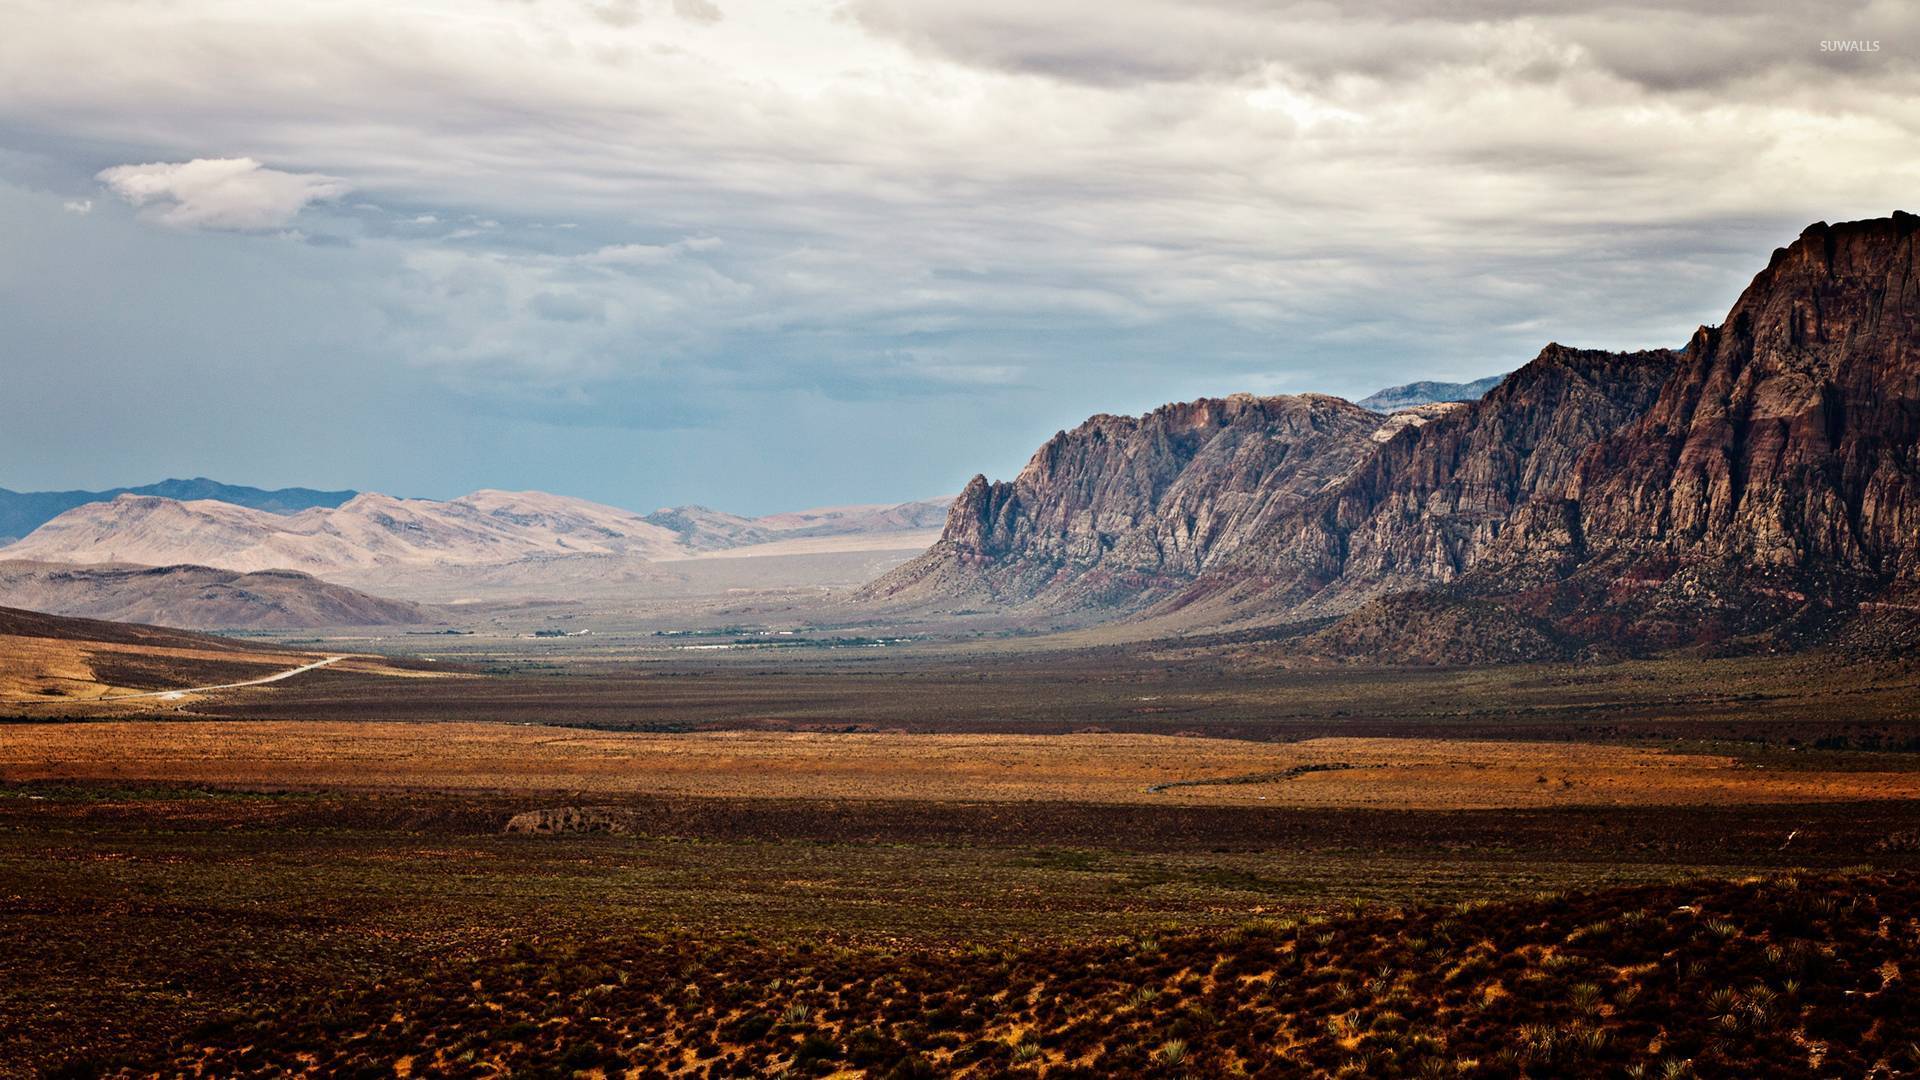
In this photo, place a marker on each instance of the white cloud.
(649, 254)
(78, 206)
(230, 194)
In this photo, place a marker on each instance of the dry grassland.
(1414, 774)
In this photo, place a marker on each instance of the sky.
(774, 254)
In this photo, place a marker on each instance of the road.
(185, 690)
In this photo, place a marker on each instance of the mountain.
(492, 543)
(1395, 398)
(1761, 485)
(1776, 478)
(703, 529)
(1423, 508)
(1122, 509)
(197, 597)
(367, 532)
(21, 512)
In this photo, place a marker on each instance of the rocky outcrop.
(1765, 479)
(1122, 509)
(572, 819)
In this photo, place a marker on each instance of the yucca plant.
(1586, 997)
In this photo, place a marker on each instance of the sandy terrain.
(1378, 773)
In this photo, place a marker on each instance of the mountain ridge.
(197, 597)
(21, 512)
(1763, 480)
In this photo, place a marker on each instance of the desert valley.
(908, 539)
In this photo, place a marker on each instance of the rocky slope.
(1122, 509)
(1764, 479)
(197, 597)
(1395, 398)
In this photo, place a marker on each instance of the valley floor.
(1068, 865)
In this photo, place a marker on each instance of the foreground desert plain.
(621, 856)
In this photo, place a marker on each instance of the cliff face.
(1122, 508)
(1767, 476)
(1788, 436)
(1775, 481)
(1426, 505)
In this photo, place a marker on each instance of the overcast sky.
(774, 254)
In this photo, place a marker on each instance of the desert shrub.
(750, 1029)
(816, 1047)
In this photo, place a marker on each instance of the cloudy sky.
(779, 253)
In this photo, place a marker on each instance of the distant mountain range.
(367, 531)
(1427, 393)
(21, 512)
(211, 564)
(1757, 489)
(370, 531)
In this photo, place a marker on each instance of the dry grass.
(38, 669)
(1421, 774)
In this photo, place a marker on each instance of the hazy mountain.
(366, 532)
(21, 512)
(1763, 479)
(197, 597)
(703, 529)
(1427, 393)
(491, 543)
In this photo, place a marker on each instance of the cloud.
(1673, 47)
(78, 206)
(1082, 202)
(223, 194)
(700, 11)
(649, 254)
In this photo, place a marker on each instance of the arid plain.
(434, 810)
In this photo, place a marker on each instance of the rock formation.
(1763, 479)
(1122, 509)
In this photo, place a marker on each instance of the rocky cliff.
(1123, 509)
(1764, 478)
(1776, 477)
